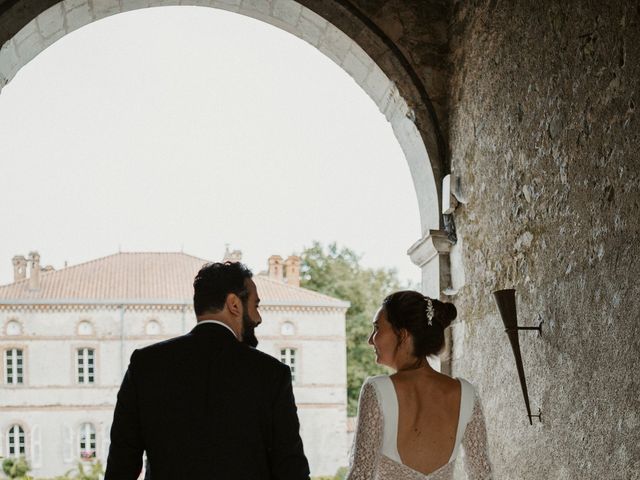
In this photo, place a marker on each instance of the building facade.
(67, 336)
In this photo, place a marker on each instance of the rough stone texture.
(544, 135)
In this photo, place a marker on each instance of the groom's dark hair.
(215, 281)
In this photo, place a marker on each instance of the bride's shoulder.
(466, 383)
(462, 380)
(377, 384)
(377, 380)
(380, 385)
(469, 391)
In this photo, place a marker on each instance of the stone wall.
(544, 135)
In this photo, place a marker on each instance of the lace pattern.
(368, 463)
(367, 442)
(474, 443)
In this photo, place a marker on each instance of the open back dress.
(374, 455)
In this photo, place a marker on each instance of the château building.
(67, 336)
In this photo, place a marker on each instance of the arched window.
(14, 327)
(288, 357)
(15, 441)
(85, 365)
(288, 328)
(87, 439)
(152, 328)
(13, 366)
(85, 328)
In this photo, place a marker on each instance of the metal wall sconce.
(506, 300)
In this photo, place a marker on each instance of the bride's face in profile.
(384, 340)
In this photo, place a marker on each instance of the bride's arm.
(476, 455)
(367, 443)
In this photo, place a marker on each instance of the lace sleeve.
(474, 442)
(367, 442)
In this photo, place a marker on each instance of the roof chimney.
(275, 267)
(34, 271)
(292, 270)
(19, 268)
(232, 256)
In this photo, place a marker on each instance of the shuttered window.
(288, 357)
(85, 360)
(14, 366)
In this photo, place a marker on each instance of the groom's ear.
(234, 304)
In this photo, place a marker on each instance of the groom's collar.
(217, 322)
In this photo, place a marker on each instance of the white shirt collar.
(218, 322)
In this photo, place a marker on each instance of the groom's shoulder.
(257, 357)
(185, 343)
(164, 347)
(169, 343)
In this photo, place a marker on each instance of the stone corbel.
(431, 254)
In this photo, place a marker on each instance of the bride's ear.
(404, 335)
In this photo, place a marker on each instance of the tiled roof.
(147, 278)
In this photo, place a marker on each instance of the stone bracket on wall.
(431, 254)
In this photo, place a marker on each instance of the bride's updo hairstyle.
(408, 309)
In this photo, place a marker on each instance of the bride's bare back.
(428, 412)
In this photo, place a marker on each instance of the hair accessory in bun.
(429, 311)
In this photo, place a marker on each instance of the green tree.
(16, 468)
(336, 271)
(85, 470)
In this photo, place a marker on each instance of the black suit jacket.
(205, 406)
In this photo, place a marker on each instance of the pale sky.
(185, 128)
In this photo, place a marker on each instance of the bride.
(412, 424)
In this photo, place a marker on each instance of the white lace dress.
(374, 455)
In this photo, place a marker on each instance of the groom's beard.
(248, 334)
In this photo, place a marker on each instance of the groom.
(206, 405)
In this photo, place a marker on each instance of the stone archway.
(339, 30)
